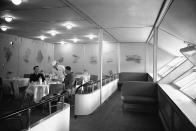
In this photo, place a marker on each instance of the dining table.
(39, 90)
(12, 85)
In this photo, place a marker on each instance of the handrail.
(91, 82)
(30, 107)
(87, 83)
(46, 100)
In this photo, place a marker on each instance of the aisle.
(109, 117)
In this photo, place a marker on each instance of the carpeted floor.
(109, 117)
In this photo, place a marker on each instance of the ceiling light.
(75, 40)
(62, 42)
(42, 37)
(69, 25)
(53, 32)
(4, 28)
(11, 43)
(91, 36)
(17, 2)
(8, 18)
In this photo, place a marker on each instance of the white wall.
(169, 43)
(19, 58)
(109, 58)
(132, 57)
(86, 56)
(79, 56)
(163, 58)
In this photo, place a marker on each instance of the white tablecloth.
(17, 83)
(20, 82)
(38, 91)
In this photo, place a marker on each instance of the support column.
(100, 60)
(118, 57)
(155, 44)
(146, 58)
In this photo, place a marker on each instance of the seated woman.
(36, 75)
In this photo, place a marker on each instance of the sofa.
(132, 76)
(139, 96)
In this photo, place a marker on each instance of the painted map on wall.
(93, 60)
(60, 60)
(7, 53)
(27, 55)
(40, 56)
(109, 60)
(133, 58)
(49, 59)
(76, 58)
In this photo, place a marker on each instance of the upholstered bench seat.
(139, 96)
(138, 100)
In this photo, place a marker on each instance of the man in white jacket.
(58, 70)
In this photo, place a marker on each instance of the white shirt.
(59, 72)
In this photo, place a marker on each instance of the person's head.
(36, 69)
(54, 64)
(67, 69)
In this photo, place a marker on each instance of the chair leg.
(123, 108)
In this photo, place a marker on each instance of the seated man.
(69, 80)
(36, 75)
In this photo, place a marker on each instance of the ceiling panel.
(120, 13)
(37, 17)
(48, 25)
(30, 4)
(131, 35)
(170, 44)
(180, 20)
(49, 14)
(126, 20)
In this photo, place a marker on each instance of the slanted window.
(170, 66)
(187, 83)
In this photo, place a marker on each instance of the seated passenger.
(36, 75)
(69, 79)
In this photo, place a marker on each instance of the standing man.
(58, 70)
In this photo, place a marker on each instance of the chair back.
(1, 89)
(55, 88)
(15, 89)
(94, 78)
(27, 75)
(78, 81)
(1, 82)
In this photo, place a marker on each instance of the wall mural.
(109, 60)
(49, 59)
(27, 55)
(40, 56)
(60, 60)
(93, 60)
(7, 53)
(133, 58)
(76, 58)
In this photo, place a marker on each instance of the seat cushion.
(138, 100)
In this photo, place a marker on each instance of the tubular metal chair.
(27, 75)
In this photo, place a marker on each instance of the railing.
(29, 109)
(94, 85)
